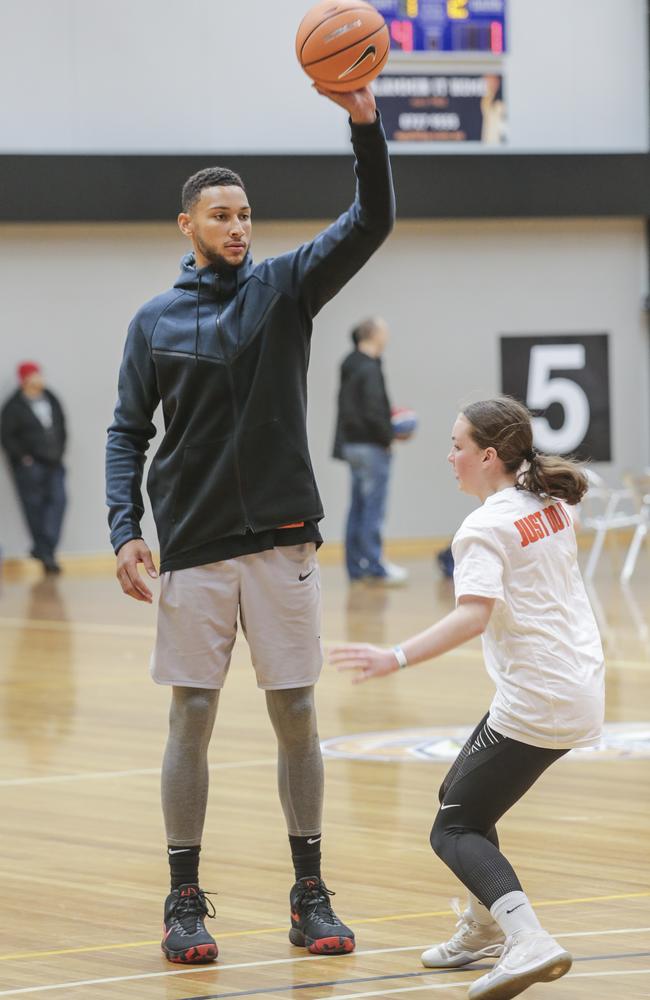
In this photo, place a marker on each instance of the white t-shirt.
(42, 410)
(542, 647)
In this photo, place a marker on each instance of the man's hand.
(134, 552)
(368, 661)
(359, 104)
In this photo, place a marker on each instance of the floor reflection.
(39, 691)
(365, 619)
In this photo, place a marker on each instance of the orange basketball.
(342, 44)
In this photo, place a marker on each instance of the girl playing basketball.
(517, 585)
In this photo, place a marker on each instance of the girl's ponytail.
(552, 476)
(504, 424)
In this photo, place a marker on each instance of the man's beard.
(216, 260)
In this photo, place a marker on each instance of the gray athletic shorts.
(277, 597)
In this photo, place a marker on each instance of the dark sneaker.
(185, 938)
(314, 925)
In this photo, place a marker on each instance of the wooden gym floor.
(82, 864)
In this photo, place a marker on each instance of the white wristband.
(400, 656)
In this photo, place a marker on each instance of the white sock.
(478, 912)
(514, 914)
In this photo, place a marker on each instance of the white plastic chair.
(604, 509)
(639, 487)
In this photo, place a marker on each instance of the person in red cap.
(33, 434)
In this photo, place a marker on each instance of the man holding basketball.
(225, 352)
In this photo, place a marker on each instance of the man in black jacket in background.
(33, 435)
(364, 433)
(225, 352)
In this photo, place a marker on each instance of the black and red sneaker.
(185, 938)
(314, 925)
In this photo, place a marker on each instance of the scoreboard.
(463, 26)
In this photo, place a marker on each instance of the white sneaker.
(531, 957)
(395, 576)
(471, 942)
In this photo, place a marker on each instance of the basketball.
(404, 422)
(342, 44)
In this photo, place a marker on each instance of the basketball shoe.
(185, 938)
(314, 925)
(528, 957)
(471, 942)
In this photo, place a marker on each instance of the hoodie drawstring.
(237, 307)
(196, 332)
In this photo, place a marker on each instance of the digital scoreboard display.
(464, 26)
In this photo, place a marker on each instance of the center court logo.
(442, 744)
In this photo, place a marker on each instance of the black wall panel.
(102, 188)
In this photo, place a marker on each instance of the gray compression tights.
(300, 764)
(185, 764)
(184, 782)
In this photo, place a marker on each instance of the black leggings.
(489, 775)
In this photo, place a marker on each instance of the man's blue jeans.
(370, 471)
(41, 488)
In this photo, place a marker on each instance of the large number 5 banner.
(564, 381)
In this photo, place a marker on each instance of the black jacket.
(364, 415)
(227, 356)
(23, 434)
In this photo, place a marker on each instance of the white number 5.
(544, 390)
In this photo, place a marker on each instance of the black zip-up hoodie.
(227, 356)
(364, 415)
(24, 435)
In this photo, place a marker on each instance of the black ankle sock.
(305, 854)
(183, 865)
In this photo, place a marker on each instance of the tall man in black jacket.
(225, 351)
(32, 425)
(364, 433)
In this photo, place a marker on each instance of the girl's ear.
(489, 455)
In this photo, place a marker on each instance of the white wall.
(211, 76)
(447, 289)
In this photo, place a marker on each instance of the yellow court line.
(550, 902)
(279, 930)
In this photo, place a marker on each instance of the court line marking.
(154, 771)
(94, 775)
(216, 968)
(443, 986)
(295, 987)
(278, 930)
(365, 920)
(323, 984)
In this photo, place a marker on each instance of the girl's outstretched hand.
(368, 661)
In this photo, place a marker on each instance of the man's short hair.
(207, 178)
(363, 331)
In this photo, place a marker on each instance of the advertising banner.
(442, 107)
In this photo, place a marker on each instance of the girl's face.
(466, 458)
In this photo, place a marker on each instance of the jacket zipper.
(231, 380)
